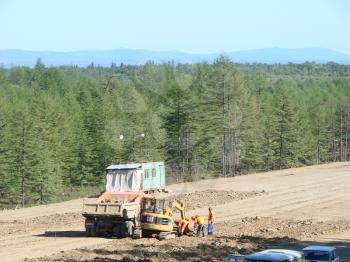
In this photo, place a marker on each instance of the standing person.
(211, 219)
(199, 225)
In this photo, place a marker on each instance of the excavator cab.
(153, 220)
(153, 204)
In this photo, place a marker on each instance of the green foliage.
(60, 127)
(178, 123)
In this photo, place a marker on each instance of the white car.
(270, 255)
(320, 254)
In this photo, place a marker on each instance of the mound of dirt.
(208, 198)
(240, 236)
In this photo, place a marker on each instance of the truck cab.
(320, 254)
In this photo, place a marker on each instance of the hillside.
(298, 205)
(9, 58)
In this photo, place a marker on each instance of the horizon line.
(171, 50)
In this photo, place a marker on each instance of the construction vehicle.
(183, 221)
(153, 221)
(112, 214)
(131, 214)
(133, 205)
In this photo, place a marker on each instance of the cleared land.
(287, 208)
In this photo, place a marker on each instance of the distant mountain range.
(10, 58)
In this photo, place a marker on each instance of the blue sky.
(190, 26)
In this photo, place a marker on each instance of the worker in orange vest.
(199, 225)
(211, 219)
(183, 226)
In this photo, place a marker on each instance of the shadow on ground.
(69, 233)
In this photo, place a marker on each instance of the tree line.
(61, 126)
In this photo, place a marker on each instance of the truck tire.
(117, 230)
(123, 229)
(91, 231)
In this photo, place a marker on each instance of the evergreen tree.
(179, 129)
(60, 127)
(284, 142)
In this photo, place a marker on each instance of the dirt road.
(318, 193)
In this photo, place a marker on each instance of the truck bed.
(96, 207)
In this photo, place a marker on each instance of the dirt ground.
(240, 236)
(207, 198)
(289, 208)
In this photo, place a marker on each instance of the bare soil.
(241, 236)
(288, 208)
(208, 198)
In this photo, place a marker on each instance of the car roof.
(318, 248)
(293, 253)
(275, 255)
(269, 256)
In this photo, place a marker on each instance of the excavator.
(154, 221)
(182, 223)
(156, 218)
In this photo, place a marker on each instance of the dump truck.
(112, 214)
(133, 204)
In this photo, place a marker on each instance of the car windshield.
(317, 255)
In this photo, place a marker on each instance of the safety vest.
(199, 220)
(211, 216)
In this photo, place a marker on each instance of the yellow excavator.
(156, 218)
(153, 220)
(182, 223)
(178, 205)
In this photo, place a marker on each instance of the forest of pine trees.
(60, 127)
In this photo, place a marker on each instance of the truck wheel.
(123, 229)
(117, 230)
(91, 231)
(88, 232)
